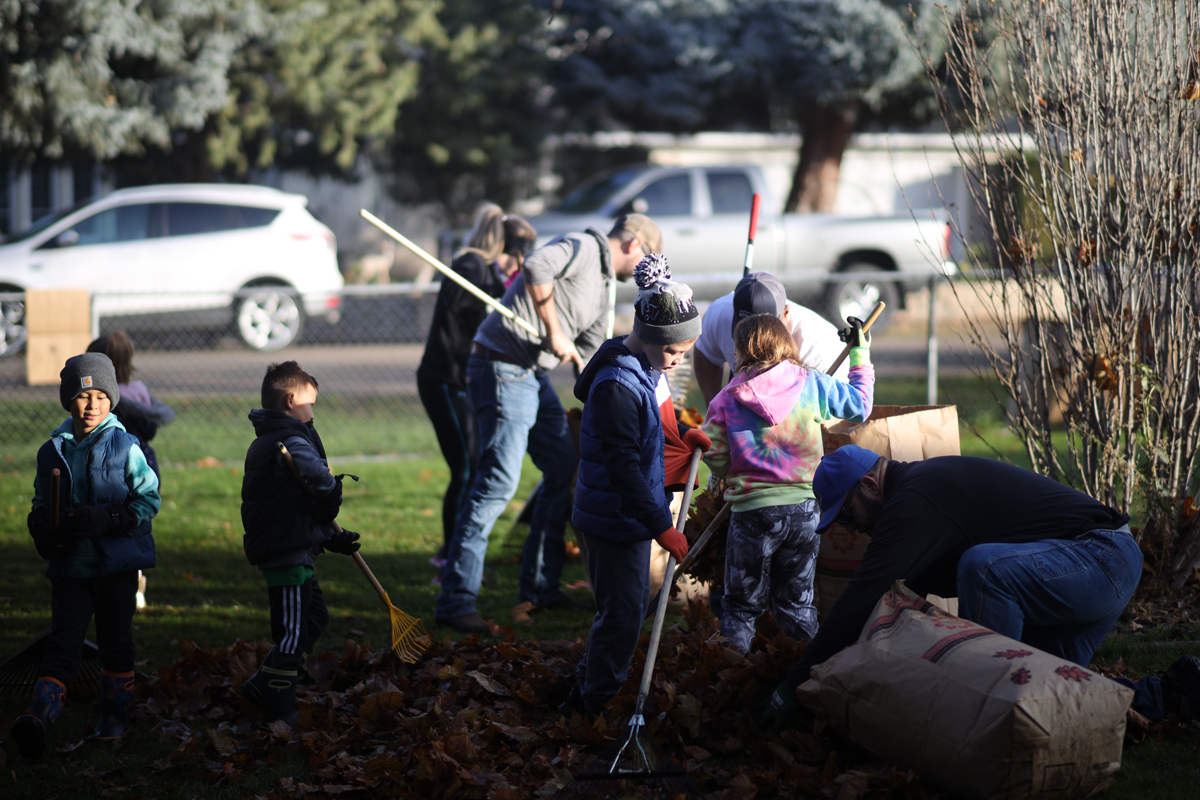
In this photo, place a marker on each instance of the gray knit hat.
(88, 371)
(664, 312)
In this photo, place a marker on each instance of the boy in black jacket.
(287, 524)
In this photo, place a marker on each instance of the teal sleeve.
(143, 485)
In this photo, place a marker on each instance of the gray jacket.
(580, 267)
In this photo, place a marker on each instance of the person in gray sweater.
(564, 292)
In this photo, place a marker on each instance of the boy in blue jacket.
(620, 501)
(107, 497)
(288, 522)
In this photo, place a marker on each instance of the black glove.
(780, 709)
(49, 546)
(344, 542)
(325, 509)
(92, 522)
(854, 335)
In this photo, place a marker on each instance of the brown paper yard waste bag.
(981, 715)
(901, 433)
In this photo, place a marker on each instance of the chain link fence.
(365, 356)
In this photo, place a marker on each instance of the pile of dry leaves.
(477, 719)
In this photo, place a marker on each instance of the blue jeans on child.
(1059, 595)
(771, 557)
(620, 575)
(517, 410)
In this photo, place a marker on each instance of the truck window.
(730, 192)
(668, 197)
(594, 194)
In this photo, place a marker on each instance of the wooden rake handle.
(358, 559)
(867, 323)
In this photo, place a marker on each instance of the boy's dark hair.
(281, 379)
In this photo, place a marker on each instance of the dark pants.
(771, 556)
(298, 617)
(75, 600)
(620, 574)
(453, 417)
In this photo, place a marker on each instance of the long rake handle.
(358, 559)
(879, 307)
(449, 273)
(665, 593)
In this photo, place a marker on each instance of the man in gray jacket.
(564, 292)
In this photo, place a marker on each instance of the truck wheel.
(12, 324)
(269, 317)
(856, 298)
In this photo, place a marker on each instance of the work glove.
(93, 522)
(344, 542)
(325, 509)
(674, 543)
(49, 546)
(854, 335)
(694, 437)
(781, 708)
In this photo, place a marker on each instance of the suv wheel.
(857, 298)
(268, 317)
(12, 323)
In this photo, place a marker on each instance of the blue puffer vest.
(598, 509)
(106, 484)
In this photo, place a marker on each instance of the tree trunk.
(826, 132)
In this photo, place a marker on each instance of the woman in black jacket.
(491, 260)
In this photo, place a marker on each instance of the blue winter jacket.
(115, 470)
(620, 494)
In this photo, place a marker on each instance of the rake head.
(632, 768)
(409, 637)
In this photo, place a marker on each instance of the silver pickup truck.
(704, 215)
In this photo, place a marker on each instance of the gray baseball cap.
(758, 293)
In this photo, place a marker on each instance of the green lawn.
(204, 590)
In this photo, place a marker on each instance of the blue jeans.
(517, 410)
(1059, 595)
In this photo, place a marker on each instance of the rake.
(409, 637)
(635, 767)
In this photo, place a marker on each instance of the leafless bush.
(1082, 143)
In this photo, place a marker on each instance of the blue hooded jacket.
(105, 481)
(620, 493)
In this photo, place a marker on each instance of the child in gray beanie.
(96, 536)
(621, 504)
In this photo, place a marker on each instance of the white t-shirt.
(815, 336)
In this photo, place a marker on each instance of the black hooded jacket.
(276, 509)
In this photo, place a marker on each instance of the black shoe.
(31, 732)
(573, 704)
(1183, 679)
(467, 623)
(255, 687)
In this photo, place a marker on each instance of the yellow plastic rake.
(409, 637)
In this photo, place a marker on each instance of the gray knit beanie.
(88, 371)
(664, 312)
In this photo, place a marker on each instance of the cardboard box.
(46, 353)
(979, 714)
(58, 311)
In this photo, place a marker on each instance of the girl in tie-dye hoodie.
(765, 428)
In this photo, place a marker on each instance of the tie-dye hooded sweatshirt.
(766, 429)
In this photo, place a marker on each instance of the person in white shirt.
(761, 293)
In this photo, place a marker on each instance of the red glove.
(694, 437)
(674, 543)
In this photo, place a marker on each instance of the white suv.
(185, 255)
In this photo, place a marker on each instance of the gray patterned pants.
(771, 554)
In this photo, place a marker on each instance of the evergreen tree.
(106, 77)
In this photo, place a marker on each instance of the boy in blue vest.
(620, 501)
(107, 496)
(288, 522)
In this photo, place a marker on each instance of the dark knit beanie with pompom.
(664, 312)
